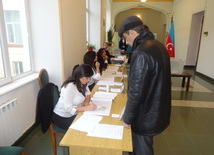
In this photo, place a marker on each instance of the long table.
(81, 144)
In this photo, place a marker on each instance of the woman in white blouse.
(90, 58)
(74, 97)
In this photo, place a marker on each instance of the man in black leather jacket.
(148, 106)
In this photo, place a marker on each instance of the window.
(15, 56)
(18, 67)
(13, 26)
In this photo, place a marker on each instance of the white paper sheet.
(118, 65)
(105, 95)
(105, 82)
(86, 123)
(107, 76)
(116, 90)
(118, 83)
(107, 131)
(103, 78)
(103, 107)
(102, 88)
(115, 115)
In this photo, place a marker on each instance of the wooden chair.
(55, 130)
(12, 150)
(43, 78)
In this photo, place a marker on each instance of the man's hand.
(126, 125)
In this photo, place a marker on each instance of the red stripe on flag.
(170, 46)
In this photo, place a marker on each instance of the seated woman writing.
(90, 58)
(74, 97)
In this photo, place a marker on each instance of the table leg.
(188, 81)
(183, 81)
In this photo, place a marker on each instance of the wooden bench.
(184, 75)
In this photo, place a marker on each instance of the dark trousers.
(62, 122)
(142, 145)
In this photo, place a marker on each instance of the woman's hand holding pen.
(91, 107)
(87, 107)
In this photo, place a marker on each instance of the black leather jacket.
(148, 106)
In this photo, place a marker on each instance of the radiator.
(10, 129)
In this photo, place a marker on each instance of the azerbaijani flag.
(170, 42)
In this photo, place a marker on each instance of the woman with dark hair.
(90, 58)
(102, 58)
(107, 46)
(74, 97)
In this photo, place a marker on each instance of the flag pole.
(170, 42)
(172, 16)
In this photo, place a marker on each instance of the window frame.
(4, 44)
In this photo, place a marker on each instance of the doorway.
(194, 39)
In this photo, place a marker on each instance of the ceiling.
(139, 0)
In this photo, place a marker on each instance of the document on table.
(111, 68)
(105, 95)
(118, 83)
(108, 76)
(118, 65)
(117, 90)
(105, 82)
(107, 131)
(103, 107)
(86, 123)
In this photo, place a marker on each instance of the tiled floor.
(191, 131)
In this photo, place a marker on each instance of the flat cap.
(129, 23)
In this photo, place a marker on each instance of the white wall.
(25, 108)
(183, 11)
(46, 44)
(206, 54)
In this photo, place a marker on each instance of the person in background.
(123, 46)
(102, 58)
(74, 97)
(148, 106)
(106, 45)
(90, 58)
